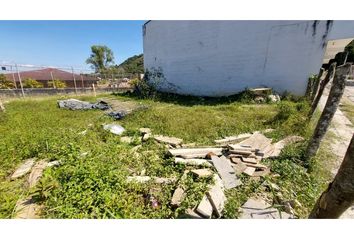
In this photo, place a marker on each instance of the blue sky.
(67, 43)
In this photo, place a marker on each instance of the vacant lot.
(91, 181)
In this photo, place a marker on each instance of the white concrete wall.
(220, 58)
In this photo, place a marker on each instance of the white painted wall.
(220, 58)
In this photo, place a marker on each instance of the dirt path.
(339, 135)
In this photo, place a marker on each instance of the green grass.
(94, 185)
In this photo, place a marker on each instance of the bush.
(147, 87)
(5, 83)
(56, 83)
(32, 83)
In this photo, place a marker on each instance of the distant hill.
(133, 64)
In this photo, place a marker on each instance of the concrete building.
(220, 58)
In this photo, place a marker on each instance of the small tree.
(32, 83)
(57, 83)
(100, 59)
(5, 83)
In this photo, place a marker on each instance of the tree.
(56, 83)
(339, 195)
(100, 59)
(347, 55)
(32, 83)
(5, 83)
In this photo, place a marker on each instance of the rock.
(205, 172)
(256, 208)
(139, 179)
(146, 137)
(145, 130)
(216, 195)
(249, 171)
(193, 162)
(274, 97)
(205, 208)
(178, 197)
(36, 173)
(199, 152)
(26, 209)
(233, 139)
(23, 169)
(169, 140)
(114, 128)
(225, 171)
(126, 139)
(53, 163)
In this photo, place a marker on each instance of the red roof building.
(48, 74)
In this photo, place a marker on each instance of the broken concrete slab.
(205, 208)
(193, 161)
(204, 172)
(114, 128)
(26, 209)
(195, 151)
(216, 195)
(168, 140)
(278, 146)
(126, 139)
(239, 168)
(23, 169)
(36, 173)
(257, 208)
(233, 139)
(249, 171)
(178, 196)
(225, 171)
(257, 141)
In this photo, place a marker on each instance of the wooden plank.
(36, 173)
(241, 152)
(204, 172)
(233, 139)
(239, 168)
(225, 171)
(249, 160)
(23, 169)
(191, 151)
(260, 166)
(168, 140)
(258, 141)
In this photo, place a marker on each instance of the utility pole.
(19, 78)
(51, 74)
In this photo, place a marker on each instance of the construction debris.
(53, 163)
(114, 128)
(23, 169)
(117, 115)
(249, 171)
(233, 139)
(168, 140)
(145, 130)
(74, 104)
(204, 172)
(178, 196)
(225, 171)
(277, 147)
(195, 152)
(26, 209)
(205, 208)
(144, 179)
(257, 208)
(36, 173)
(216, 195)
(126, 139)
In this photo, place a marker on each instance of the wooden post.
(94, 90)
(72, 69)
(82, 82)
(19, 78)
(339, 195)
(316, 84)
(51, 74)
(332, 103)
(323, 84)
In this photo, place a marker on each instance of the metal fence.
(20, 77)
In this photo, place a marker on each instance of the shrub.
(5, 83)
(56, 83)
(32, 83)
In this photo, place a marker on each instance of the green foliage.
(148, 86)
(5, 83)
(133, 64)
(347, 53)
(32, 83)
(57, 83)
(101, 57)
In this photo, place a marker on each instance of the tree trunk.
(332, 103)
(327, 79)
(339, 195)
